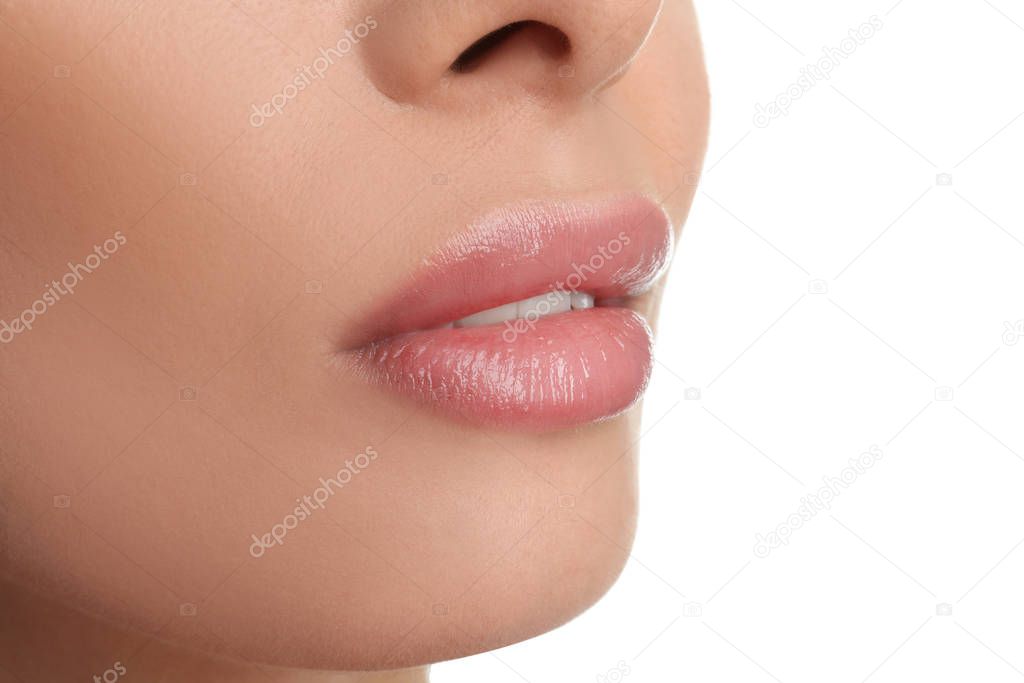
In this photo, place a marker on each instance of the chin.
(503, 555)
(397, 572)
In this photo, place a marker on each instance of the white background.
(830, 295)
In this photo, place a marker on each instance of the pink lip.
(553, 372)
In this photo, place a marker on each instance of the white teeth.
(545, 304)
(581, 301)
(535, 307)
(489, 317)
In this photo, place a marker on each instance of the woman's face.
(233, 239)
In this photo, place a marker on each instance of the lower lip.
(560, 371)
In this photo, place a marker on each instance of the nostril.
(552, 42)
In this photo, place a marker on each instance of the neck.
(43, 641)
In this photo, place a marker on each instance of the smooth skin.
(184, 399)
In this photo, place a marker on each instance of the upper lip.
(609, 248)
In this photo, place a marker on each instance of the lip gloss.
(534, 369)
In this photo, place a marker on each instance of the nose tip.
(436, 51)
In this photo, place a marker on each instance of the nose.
(437, 51)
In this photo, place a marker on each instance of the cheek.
(665, 97)
(317, 183)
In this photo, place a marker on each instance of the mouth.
(530, 319)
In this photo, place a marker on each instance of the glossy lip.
(554, 372)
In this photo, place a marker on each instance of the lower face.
(354, 388)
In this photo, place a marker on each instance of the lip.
(545, 373)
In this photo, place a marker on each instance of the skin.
(183, 397)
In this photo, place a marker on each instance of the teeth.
(540, 306)
(545, 304)
(581, 301)
(489, 317)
